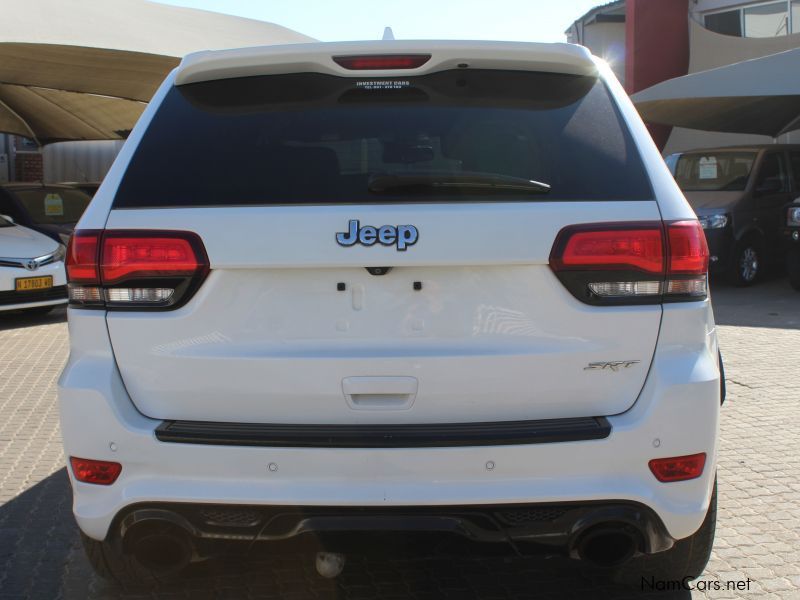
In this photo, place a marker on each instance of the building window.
(726, 23)
(757, 19)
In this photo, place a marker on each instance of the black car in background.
(739, 194)
(50, 208)
(791, 236)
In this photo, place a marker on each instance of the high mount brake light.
(632, 263)
(382, 62)
(134, 269)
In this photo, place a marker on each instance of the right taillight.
(632, 263)
(123, 269)
(687, 265)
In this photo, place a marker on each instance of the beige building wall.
(607, 40)
(602, 31)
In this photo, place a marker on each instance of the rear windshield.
(316, 139)
(714, 171)
(53, 206)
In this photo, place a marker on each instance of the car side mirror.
(7, 218)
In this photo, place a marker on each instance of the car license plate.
(27, 284)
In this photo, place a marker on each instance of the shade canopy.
(760, 96)
(84, 69)
(53, 93)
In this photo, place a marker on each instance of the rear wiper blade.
(484, 182)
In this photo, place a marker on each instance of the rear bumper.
(530, 527)
(676, 414)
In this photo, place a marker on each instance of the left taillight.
(83, 269)
(632, 263)
(124, 269)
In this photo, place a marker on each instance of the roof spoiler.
(445, 55)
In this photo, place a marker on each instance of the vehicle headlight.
(64, 238)
(793, 216)
(714, 221)
(60, 253)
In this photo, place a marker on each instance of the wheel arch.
(750, 232)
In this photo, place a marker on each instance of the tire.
(110, 564)
(684, 561)
(747, 262)
(793, 268)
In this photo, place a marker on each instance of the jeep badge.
(402, 236)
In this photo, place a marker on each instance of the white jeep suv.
(437, 286)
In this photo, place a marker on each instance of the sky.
(334, 20)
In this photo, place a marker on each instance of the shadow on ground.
(19, 319)
(41, 557)
(769, 303)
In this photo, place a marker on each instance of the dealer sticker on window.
(708, 167)
(53, 205)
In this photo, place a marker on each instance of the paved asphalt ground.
(758, 534)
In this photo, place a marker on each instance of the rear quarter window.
(318, 139)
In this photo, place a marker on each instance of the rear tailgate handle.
(380, 393)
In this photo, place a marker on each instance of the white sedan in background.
(31, 269)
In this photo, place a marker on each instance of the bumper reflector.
(678, 468)
(99, 472)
